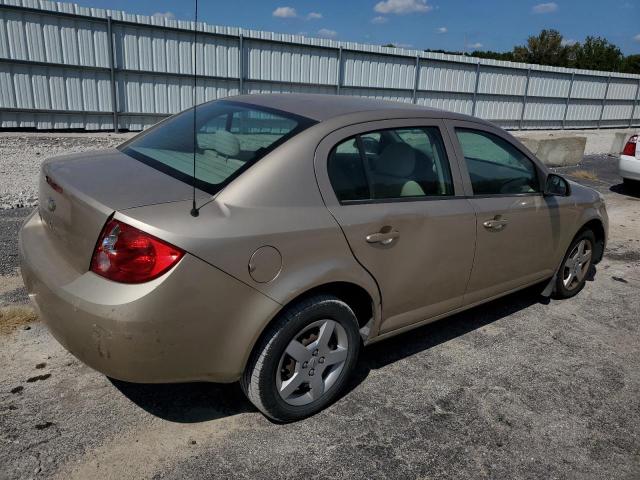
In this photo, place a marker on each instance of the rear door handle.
(383, 238)
(495, 224)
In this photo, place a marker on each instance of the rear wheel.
(304, 359)
(576, 265)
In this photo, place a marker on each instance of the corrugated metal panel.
(500, 81)
(589, 87)
(51, 121)
(53, 88)
(394, 95)
(547, 84)
(449, 77)
(541, 124)
(151, 94)
(43, 52)
(616, 110)
(291, 63)
(43, 38)
(583, 110)
(459, 103)
(507, 124)
(497, 108)
(136, 123)
(262, 87)
(541, 109)
(7, 93)
(622, 89)
(378, 71)
(170, 51)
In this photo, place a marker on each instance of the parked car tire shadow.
(199, 402)
(629, 190)
(186, 402)
(433, 334)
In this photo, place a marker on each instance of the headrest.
(222, 141)
(397, 160)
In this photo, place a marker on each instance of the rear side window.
(391, 164)
(495, 166)
(228, 138)
(347, 173)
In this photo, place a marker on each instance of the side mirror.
(555, 185)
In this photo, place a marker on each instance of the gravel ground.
(22, 153)
(518, 388)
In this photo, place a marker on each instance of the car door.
(400, 203)
(517, 226)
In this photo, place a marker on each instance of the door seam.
(475, 252)
(344, 235)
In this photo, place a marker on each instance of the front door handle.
(383, 237)
(495, 224)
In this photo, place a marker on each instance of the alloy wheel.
(576, 266)
(312, 362)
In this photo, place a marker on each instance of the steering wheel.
(514, 183)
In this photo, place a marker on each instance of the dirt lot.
(519, 388)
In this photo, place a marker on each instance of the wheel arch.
(364, 304)
(597, 227)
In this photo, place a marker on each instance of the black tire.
(259, 379)
(561, 290)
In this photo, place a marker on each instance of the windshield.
(229, 137)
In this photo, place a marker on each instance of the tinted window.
(495, 166)
(347, 174)
(389, 164)
(228, 138)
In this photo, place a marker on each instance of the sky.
(422, 24)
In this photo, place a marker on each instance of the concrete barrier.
(619, 141)
(561, 151)
(606, 141)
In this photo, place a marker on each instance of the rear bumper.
(629, 167)
(195, 323)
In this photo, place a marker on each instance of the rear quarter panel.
(275, 203)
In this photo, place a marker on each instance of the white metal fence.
(63, 66)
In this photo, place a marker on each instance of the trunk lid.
(79, 192)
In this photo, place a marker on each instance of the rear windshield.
(228, 138)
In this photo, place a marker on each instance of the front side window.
(391, 164)
(228, 138)
(495, 166)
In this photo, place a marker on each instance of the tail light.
(630, 147)
(128, 255)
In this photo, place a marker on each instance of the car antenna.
(194, 210)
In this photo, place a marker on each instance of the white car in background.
(629, 163)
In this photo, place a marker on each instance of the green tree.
(596, 53)
(508, 56)
(546, 48)
(448, 52)
(631, 64)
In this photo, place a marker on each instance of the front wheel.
(304, 359)
(576, 265)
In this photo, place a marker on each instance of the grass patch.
(12, 318)
(584, 174)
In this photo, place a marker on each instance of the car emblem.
(51, 205)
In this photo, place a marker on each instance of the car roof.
(321, 107)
